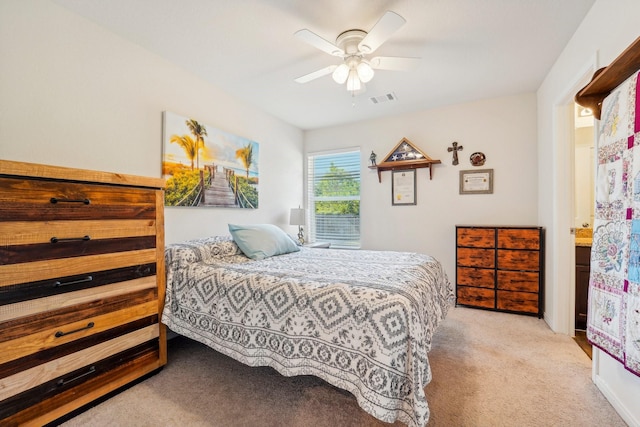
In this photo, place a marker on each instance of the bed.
(361, 320)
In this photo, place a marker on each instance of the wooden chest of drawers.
(81, 287)
(500, 268)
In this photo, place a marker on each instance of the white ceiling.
(470, 49)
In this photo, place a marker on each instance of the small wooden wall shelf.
(608, 78)
(405, 155)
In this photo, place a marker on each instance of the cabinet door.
(582, 295)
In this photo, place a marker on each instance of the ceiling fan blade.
(394, 63)
(318, 42)
(316, 74)
(384, 28)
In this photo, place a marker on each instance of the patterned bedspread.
(361, 320)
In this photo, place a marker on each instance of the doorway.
(584, 199)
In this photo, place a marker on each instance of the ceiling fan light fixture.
(365, 72)
(341, 74)
(353, 81)
(352, 46)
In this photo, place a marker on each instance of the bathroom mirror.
(584, 167)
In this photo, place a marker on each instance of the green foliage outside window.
(337, 183)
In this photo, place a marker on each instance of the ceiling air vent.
(383, 98)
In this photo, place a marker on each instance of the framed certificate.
(476, 181)
(403, 187)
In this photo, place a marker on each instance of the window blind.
(334, 198)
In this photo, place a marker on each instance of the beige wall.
(73, 94)
(504, 129)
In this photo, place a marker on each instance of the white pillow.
(260, 241)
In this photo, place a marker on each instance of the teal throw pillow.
(260, 241)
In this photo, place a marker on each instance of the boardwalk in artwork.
(219, 193)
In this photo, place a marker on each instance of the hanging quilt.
(613, 323)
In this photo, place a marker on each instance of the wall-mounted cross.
(455, 150)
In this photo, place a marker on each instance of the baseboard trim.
(609, 394)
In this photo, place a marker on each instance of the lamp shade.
(340, 74)
(297, 216)
(353, 82)
(365, 72)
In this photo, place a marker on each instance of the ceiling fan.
(353, 46)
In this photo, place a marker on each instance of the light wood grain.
(32, 307)
(46, 339)
(51, 269)
(31, 232)
(24, 169)
(37, 375)
(160, 270)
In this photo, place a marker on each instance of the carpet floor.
(489, 369)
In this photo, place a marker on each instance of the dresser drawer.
(476, 237)
(55, 286)
(524, 302)
(518, 281)
(66, 374)
(48, 331)
(63, 390)
(40, 200)
(73, 247)
(477, 297)
(11, 274)
(34, 232)
(518, 260)
(516, 238)
(470, 257)
(480, 277)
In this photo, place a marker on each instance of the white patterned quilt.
(361, 320)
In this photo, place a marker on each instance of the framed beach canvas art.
(207, 167)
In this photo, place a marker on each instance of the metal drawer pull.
(70, 239)
(55, 200)
(70, 380)
(58, 283)
(62, 334)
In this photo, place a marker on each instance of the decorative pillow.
(260, 241)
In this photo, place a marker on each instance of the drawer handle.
(58, 283)
(63, 382)
(55, 200)
(70, 239)
(62, 334)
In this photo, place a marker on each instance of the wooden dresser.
(81, 287)
(500, 268)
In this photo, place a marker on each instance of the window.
(334, 197)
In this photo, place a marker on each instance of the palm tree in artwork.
(245, 154)
(188, 145)
(199, 131)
